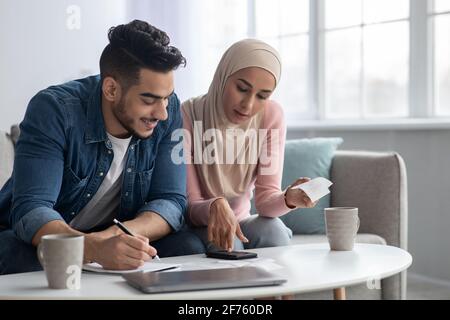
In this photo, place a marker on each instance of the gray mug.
(342, 224)
(61, 256)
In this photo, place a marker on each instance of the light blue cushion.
(308, 158)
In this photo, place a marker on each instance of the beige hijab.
(221, 178)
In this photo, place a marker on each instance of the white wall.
(37, 49)
(426, 154)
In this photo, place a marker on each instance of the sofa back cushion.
(308, 158)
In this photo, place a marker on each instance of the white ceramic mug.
(61, 256)
(342, 224)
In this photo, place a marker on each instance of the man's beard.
(126, 122)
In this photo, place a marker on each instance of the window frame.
(321, 32)
(421, 86)
(431, 15)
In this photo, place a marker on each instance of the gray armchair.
(375, 182)
(7, 141)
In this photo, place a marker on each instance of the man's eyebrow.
(151, 95)
(250, 85)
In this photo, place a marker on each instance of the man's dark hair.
(134, 46)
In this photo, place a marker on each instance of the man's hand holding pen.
(120, 251)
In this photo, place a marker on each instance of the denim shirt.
(63, 154)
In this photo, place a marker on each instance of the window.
(441, 24)
(285, 25)
(366, 47)
(441, 6)
(342, 59)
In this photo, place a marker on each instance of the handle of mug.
(40, 253)
(357, 226)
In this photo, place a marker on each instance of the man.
(99, 148)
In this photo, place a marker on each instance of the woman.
(235, 140)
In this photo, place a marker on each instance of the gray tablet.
(160, 282)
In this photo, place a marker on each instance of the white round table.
(307, 268)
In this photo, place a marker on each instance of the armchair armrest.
(6, 157)
(376, 183)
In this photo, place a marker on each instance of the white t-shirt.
(104, 205)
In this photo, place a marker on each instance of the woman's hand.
(223, 225)
(296, 198)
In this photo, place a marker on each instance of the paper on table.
(315, 188)
(264, 263)
(150, 266)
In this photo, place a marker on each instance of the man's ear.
(111, 89)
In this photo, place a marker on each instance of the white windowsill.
(371, 125)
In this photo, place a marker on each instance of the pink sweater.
(269, 198)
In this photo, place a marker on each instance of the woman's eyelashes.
(241, 89)
(262, 97)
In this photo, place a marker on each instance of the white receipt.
(315, 188)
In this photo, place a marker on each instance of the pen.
(128, 232)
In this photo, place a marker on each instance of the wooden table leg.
(287, 297)
(339, 293)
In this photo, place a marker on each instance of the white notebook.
(149, 266)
